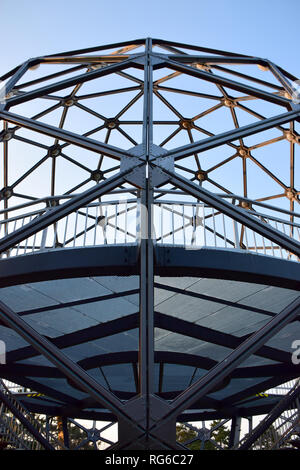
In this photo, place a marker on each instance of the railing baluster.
(224, 231)
(26, 242)
(33, 243)
(54, 235)
(264, 246)
(75, 229)
(203, 221)
(276, 225)
(44, 238)
(162, 224)
(236, 234)
(183, 224)
(65, 232)
(116, 222)
(126, 224)
(18, 246)
(272, 245)
(193, 226)
(105, 227)
(255, 244)
(85, 225)
(214, 227)
(95, 225)
(173, 225)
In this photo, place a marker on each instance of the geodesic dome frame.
(67, 198)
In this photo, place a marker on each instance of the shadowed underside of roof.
(198, 321)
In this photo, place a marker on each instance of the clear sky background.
(265, 28)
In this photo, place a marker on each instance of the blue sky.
(266, 28)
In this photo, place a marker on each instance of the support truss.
(97, 152)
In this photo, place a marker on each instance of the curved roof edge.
(169, 261)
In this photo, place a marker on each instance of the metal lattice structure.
(280, 428)
(150, 235)
(19, 429)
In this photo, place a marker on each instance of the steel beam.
(19, 415)
(103, 330)
(61, 211)
(6, 89)
(247, 77)
(68, 82)
(210, 59)
(210, 298)
(69, 368)
(193, 330)
(67, 136)
(249, 394)
(279, 370)
(219, 80)
(250, 346)
(86, 59)
(88, 50)
(284, 403)
(146, 420)
(146, 346)
(90, 300)
(65, 432)
(234, 212)
(146, 363)
(281, 77)
(207, 50)
(235, 431)
(235, 134)
(11, 72)
(19, 88)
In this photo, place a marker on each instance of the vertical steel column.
(235, 431)
(146, 346)
(65, 432)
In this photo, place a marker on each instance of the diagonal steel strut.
(205, 384)
(229, 136)
(63, 210)
(67, 136)
(249, 90)
(68, 82)
(232, 211)
(69, 368)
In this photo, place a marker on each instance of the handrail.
(21, 427)
(289, 401)
(190, 224)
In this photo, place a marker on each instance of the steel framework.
(70, 181)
